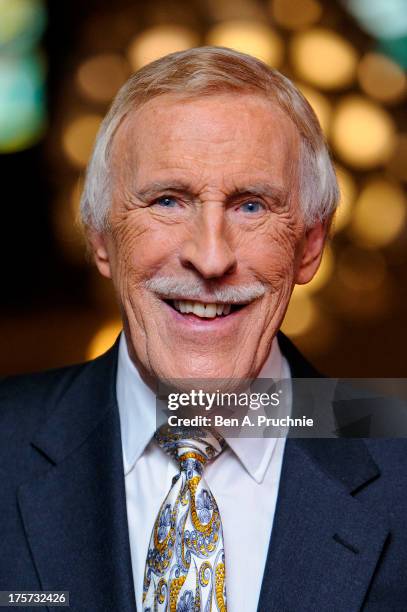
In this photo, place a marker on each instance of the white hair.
(207, 71)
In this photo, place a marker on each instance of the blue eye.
(252, 206)
(166, 202)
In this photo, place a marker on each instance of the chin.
(205, 373)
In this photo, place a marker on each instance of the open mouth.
(204, 310)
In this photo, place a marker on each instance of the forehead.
(227, 135)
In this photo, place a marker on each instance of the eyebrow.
(152, 189)
(266, 190)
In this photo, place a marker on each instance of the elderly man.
(209, 195)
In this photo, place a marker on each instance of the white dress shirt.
(244, 480)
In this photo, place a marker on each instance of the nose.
(207, 249)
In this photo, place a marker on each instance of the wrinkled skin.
(218, 145)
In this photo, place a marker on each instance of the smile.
(204, 310)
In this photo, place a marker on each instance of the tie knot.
(192, 447)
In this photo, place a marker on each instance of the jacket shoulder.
(27, 400)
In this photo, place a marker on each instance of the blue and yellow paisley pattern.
(185, 567)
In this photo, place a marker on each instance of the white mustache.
(173, 288)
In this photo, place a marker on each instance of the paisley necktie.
(185, 567)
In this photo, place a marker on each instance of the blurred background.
(61, 64)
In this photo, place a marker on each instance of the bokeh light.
(382, 18)
(362, 133)
(100, 77)
(253, 37)
(159, 41)
(323, 58)
(79, 137)
(320, 337)
(295, 14)
(396, 48)
(348, 191)
(22, 102)
(379, 214)
(381, 78)
(320, 104)
(103, 339)
(301, 314)
(22, 23)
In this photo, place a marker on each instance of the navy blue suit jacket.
(339, 539)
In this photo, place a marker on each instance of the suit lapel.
(325, 542)
(74, 513)
(324, 545)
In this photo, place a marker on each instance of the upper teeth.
(207, 311)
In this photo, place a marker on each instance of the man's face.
(206, 239)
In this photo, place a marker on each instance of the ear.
(98, 246)
(311, 252)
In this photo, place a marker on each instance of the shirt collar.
(137, 408)
(137, 411)
(255, 453)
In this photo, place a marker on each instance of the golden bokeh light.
(379, 214)
(362, 133)
(295, 14)
(361, 270)
(348, 191)
(79, 137)
(322, 276)
(320, 337)
(324, 58)
(100, 77)
(252, 37)
(381, 78)
(103, 339)
(158, 41)
(398, 161)
(320, 104)
(301, 315)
